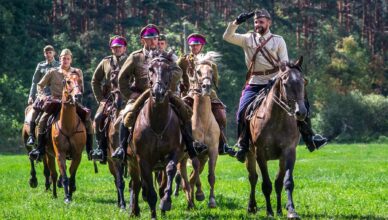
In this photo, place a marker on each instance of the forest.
(344, 44)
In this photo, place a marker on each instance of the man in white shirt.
(260, 71)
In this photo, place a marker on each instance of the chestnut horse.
(205, 126)
(157, 140)
(275, 135)
(68, 135)
(33, 181)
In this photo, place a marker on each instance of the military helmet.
(66, 52)
(149, 31)
(195, 39)
(117, 41)
(162, 37)
(48, 48)
(260, 13)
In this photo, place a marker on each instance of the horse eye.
(68, 82)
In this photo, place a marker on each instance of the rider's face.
(118, 51)
(65, 61)
(262, 25)
(49, 55)
(162, 44)
(196, 48)
(150, 43)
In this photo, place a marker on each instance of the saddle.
(255, 104)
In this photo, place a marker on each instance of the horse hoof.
(73, 189)
(212, 203)
(165, 205)
(163, 213)
(59, 184)
(67, 201)
(279, 213)
(292, 215)
(252, 210)
(270, 214)
(33, 182)
(190, 206)
(200, 196)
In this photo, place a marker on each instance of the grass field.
(336, 182)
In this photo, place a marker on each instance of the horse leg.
(33, 181)
(266, 186)
(53, 173)
(61, 160)
(134, 189)
(212, 177)
(289, 183)
(194, 176)
(165, 202)
(76, 159)
(182, 168)
(120, 185)
(199, 195)
(252, 175)
(148, 186)
(46, 173)
(163, 182)
(178, 180)
(279, 186)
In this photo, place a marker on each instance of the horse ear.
(299, 61)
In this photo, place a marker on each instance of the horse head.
(72, 88)
(203, 74)
(160, 74)
(292, 88)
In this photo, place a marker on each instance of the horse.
(156, 140)
(68, 135)
(33, 181)
(275, 135)
(111, 128)
(204, 124)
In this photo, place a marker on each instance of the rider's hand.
(243, 17)
(30, 100)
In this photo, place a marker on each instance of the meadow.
(336, 182)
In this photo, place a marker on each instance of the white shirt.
(249, 42)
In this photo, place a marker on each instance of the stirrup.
(98, 154)
(30, 141)
(35, 155)
(319, 141)
(119, 154)
(199, 147)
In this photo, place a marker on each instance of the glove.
(30, 100)
(243, 17)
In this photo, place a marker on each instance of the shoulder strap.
(250, 70)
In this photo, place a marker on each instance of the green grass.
(337, 182)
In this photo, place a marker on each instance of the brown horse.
(68, 136)
(275, 135)
(33, 181)
(205, 127)
(157, 140)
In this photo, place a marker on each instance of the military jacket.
(40, 71)
(54, 80)
(106, 71)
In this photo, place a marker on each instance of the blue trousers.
(247, 96)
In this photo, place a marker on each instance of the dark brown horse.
(275, 135)
(156, 142)
(33, 181)
(68, 135)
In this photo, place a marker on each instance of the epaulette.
(108, 57)
(137, 51)
(275, 35)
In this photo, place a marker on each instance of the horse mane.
(170, 57)
(210, 56)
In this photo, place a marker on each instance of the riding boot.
(243, 142)
(37, 154)
(100, 153)
(89, 145)
(193, 147)
(31, 135)
(313, 141)
(120, 152)
(223, 147)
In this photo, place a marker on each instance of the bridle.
(198, 81)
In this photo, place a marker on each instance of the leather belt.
(266, 72)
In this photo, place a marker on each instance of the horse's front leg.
(199, 194)
(148, 186)
(46, 172)
(61, 161)
(213, 154)
(182, 169)
(53, 173)
(76, 159)
(134, 188)
(33, 181)
(120, 184)
(266, 186)
(279, 186)
(290, 156)
(178, 180)
(252, 175)
(165, 202)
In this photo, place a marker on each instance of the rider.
(261, 70)
(105, 83)
(133, 81)
(40, 71)
(187, 64)
(54, 79)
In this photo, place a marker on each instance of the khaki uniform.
(249, 42)
(40, 71)
(54, 80)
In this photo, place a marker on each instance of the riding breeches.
(247, 96)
